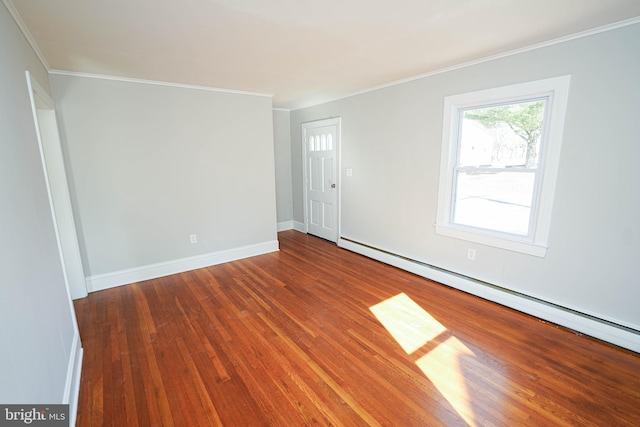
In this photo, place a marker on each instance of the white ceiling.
(301, 51)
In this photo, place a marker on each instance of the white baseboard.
(124, 277)
(587, 324)
(299, 226)
(285, 225)
(74, 372)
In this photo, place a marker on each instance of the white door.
(321, 140)
(44, 117)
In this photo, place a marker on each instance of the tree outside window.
(497, 163)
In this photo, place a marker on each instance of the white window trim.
(557, 89)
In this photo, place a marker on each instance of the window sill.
(524, 247)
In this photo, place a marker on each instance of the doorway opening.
(44, 117)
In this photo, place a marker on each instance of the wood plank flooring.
(298, 337)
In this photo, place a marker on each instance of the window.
(500, 154)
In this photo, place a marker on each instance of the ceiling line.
(25, 32)
(581, 34)
(158, 83)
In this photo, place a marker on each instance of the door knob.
(333, 186)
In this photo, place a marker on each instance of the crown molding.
(25, 32)
(579, 35)
(157, 83)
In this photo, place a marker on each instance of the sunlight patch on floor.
(413, 327)
(443, 367)
(410, 325)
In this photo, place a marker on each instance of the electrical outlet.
(193, 238)
(471, 254)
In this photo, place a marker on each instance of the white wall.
(152, 164)
(391, 138)
(37, 327)
(282, 147)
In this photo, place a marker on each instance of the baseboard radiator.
(577, 321)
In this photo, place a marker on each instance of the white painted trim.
(556, 90)
(124, 277)
(74, 372)
(285, 225)
(25, 32)
(156, 82)
(529, 248)
(281, 109)
(300, 226)
(552, 313)
(579, 35)
(57, 190)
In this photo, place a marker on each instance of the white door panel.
(321, 181)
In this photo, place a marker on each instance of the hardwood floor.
(298, 338)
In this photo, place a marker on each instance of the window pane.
(502, 136)
(499, 201)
